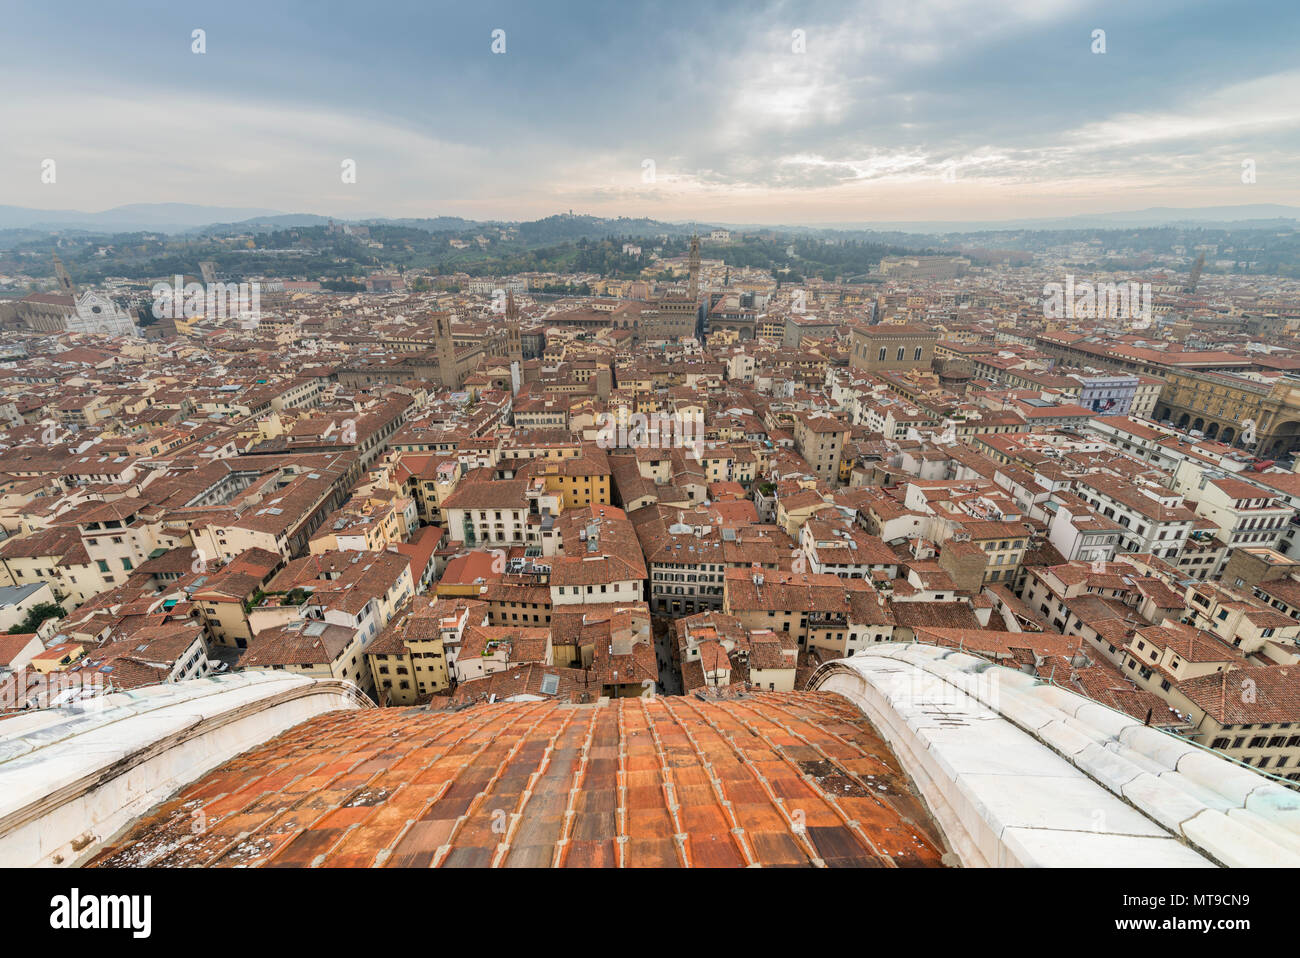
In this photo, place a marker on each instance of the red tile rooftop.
(776, 778)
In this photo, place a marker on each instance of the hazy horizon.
(178, 218)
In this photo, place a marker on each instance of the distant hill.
(568, 227)
(136, 217)
(1255, 215)
(261, 223)
(192, 218)
(436, 224)
(560, 228)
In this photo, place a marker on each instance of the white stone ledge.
(70, 780)
(1018, 772)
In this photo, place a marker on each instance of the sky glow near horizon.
(929, 110)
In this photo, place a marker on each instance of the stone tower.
(448, 374)
(693, 291)
(514, 339)
(66, 286)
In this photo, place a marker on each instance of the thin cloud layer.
(783, 112)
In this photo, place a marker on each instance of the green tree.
(36, 615)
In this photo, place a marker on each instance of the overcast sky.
(900, 110)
